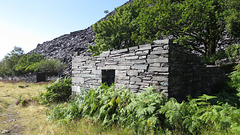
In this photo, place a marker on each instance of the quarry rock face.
(66, 45)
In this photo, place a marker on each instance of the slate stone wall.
(188, 75)
(36, 77)
(162, 63)
(31, 78)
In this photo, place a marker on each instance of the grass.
(31, 120)
(80, 127)
(23, 117)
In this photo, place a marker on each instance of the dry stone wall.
(188, 75)
(162, 63)
(136, 67)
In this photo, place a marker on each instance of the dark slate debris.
(66, 45)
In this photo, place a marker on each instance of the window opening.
(108, 77)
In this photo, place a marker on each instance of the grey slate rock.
(65, 46)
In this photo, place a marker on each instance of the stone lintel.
(109, 67)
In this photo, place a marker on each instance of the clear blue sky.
(25, 23)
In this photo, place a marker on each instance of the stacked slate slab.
(163, 64)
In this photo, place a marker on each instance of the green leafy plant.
(233, 51)
(24, 102)
(149, 112)
(7, 65)
(50, 66)
(210, 59)
(142, 112)
(28, 63)
(235, 79)
(198, 25)
(59, 91)
(16, 63)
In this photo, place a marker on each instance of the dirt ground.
(10, 122)
(15, 119)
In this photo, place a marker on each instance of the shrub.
(210, 59)
(28, 63)
(59, 91)
(233, 51)
(51, 66)
(235, 79)
(149, 112)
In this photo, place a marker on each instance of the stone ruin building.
(163, 63)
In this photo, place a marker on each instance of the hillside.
(63, 47)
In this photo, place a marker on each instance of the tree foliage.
(118, 31)
(59, 91)
(233, 18)
(233, 51)
(8, 64)
(150, 112)
(192, 23)
(16, 63)
(199, 25)
(50, 66)
(28, 63)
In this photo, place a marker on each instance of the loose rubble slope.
(64, 46)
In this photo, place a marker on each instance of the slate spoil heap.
(64, 46)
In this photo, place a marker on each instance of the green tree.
(28, 63)
(51, 66)
(31, 63)
(233, 18)
(199, 25)
(16, 63)
(4, 70)
(7, 65)
(192, 23)
(118, 31)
